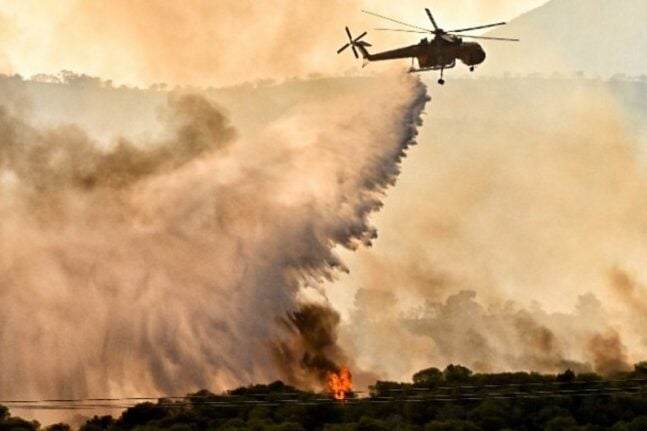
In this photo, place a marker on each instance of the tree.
(233, 425)
(452, 425)
(620, 426)
(562, 424)
(4, 412)
(430, 376)
(491, 414)
(381, 388)
(286, 426)
(18, 424)
(370, 424)
(566, 376)
(457, 374)
(550, 412)
(97, 423)
(339, 427)
(142, 414)
(452, 412)
(640, 369)
(638, 424)
(59, 427)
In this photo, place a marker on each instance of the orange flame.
(340, 383)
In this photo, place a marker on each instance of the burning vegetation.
(340, 383)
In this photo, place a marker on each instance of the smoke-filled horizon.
(209, 43)
(515, 238)
(178, 259)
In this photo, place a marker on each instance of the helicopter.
(439, 53)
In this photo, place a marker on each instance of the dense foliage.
(455, 399)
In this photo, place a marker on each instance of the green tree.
(640, 369)
(562, 424)
(233, 425)
(620, 426)
(430, 376)
(452, 425)
(340, 427)
(491, 414)
(566, 376)
(638, 424)
(550, 412)
(97, 423)
(457, 374)
(182, 427)
(384, 389)
(258, 424)
(141, 414)
(260, 413)
(452, 412)
(4, 413)
(286, 426)
(18, 424)
(369, 424)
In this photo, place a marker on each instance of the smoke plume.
(312, 348)
(515, 240)
(175, 260)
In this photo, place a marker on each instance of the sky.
(209, 43)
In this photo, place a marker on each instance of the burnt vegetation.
(454, 399)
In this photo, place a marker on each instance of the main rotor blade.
(476, 28)
(406, 31)
(397, 22)
(350, 37)
(360, 36)
(355, 51)
(505, 39)
(340, 50)
(431, 17)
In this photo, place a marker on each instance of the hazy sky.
(203, 42)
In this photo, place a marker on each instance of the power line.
(231, 402)
(415, 388)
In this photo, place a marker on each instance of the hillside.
(597, 37)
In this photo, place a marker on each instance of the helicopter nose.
(478, 56)
(473, 54)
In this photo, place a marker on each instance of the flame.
(340, 383)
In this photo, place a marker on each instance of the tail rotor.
(355, 43)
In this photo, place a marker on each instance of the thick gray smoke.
(170, 263)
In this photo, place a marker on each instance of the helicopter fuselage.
(445, 54)
(441, 52)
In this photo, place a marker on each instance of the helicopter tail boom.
(361, 46)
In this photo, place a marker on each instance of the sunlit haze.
(206, 42)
